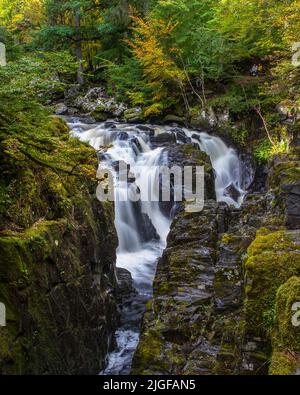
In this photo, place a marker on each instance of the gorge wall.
(225, 286)
(58, 252)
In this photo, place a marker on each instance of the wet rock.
(196, 322)
(146, 128)
(67, 305)
(110, 125)
(174, 119)
(125, 289)
(291, 193)
(181, 136)
(248, 170)
(61, 109)
(74, 111)
(233, 192)
(133, 114)
(146, 229)
(163, 138)
(123, 136)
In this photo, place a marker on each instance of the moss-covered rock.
(273, 258)
(286, 331)
(57, 257)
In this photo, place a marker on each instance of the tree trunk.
(78, 49)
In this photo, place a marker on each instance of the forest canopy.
(162, 55)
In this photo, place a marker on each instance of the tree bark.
(78, 49)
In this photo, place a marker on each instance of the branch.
(258, 111)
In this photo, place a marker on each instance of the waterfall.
(226, 165)
(131, 144)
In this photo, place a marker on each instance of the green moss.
(198, 157)
(272, 259)
(286, 333)
(283, 363)
(149, 351)
(227, 238)
(285, 172)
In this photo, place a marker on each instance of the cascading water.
(226, 165)
(131, 145)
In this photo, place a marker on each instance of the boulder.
(125, 288)
(233, 192)
(133, 114)
(145, 128)
(162, 138)
(174, 119)
(181, 136)
(288, 110)
(147, 231)
(61, 109)
(99, 104)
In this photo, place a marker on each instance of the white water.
(133, 254)
(226, 165)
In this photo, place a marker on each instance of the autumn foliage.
(158, 60)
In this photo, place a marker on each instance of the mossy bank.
(57, 248)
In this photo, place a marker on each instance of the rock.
(123, 136)
(99, 104)
(73, 111)
(288, 110)
(181, 136)
(272, 286)
(248, 170)
(284, 180)
(146, 128)
(174, 119)
(61, 109)
(126, 289)
(286, 336)
(204, 119)
(196, 323)
(57, 274)
(291, 194)
(183, 291)
(110, 125)
(232, 192)
(146, 229)
(133, 114)
(163, 138)
(72, 93)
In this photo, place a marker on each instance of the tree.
(71, 24)
(21, 17)
(161, 72)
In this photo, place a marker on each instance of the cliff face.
(57, 266)
(226, 284)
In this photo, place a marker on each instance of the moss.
(198, 157)
(272, 259)
(149, 350)
(227, 238)
(286, 335)
(285, 172)
(283, 363)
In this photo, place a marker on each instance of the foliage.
(161, 73)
